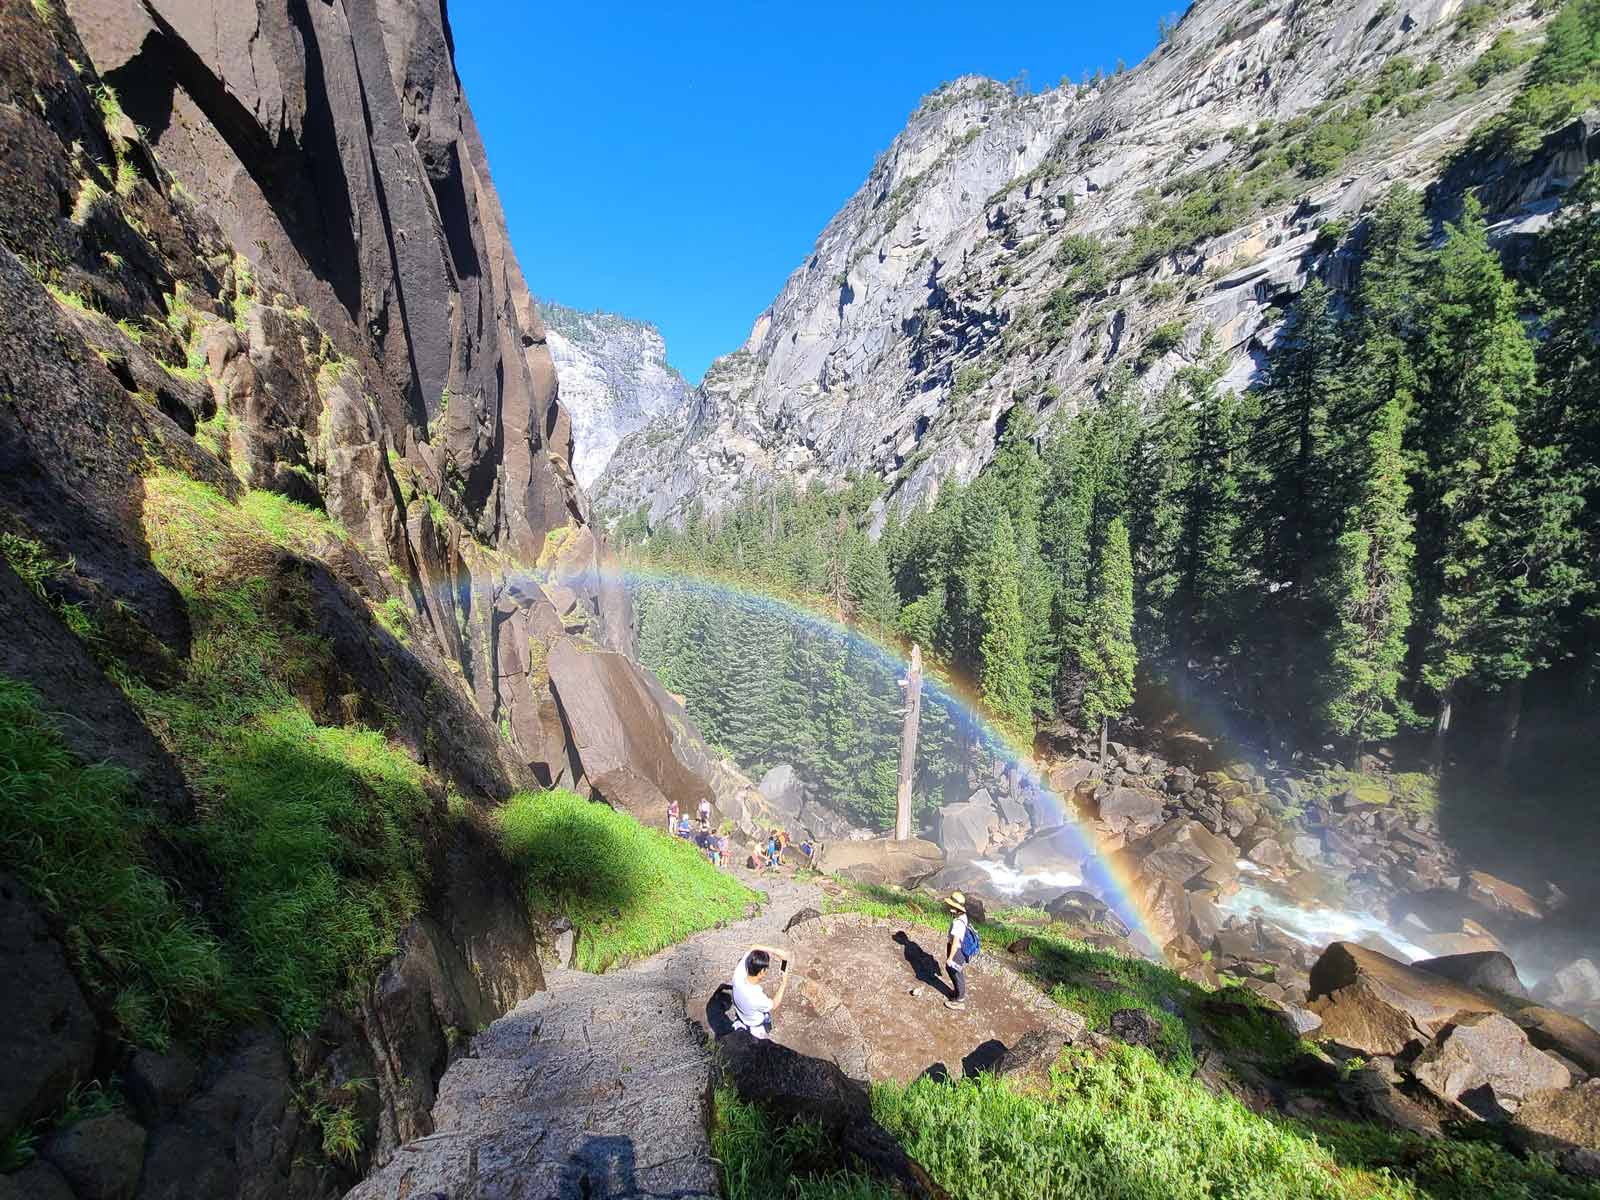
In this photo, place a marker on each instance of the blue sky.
(675, 162)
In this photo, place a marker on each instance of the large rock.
(1484, 1062)
(619, 732)
(882, 859)
(783, 789)
(1183, 851)
(1576, 985)
(1058, 847)
(48, 1040)
(1374, 1004)
(1130, 811)
(1561, 1120)
(1486, 970)
(1561, 1033)
(100, 1157)
(1499, 896)
(963, 829)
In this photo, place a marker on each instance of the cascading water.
(1314, 927)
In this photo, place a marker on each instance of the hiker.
(809, 851)
(757, 860)
(752, 1007)
(705, 816)
(961, 946)
(672, 816)
(774, 850)
(683, 827)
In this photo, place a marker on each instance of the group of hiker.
(765, 855)
(753, 1007)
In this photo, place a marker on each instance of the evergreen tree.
(1003, 646)
(1368, 591)
(1106, 649)
(1478, 373)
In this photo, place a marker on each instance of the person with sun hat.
(960, 946)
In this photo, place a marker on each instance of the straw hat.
(956, 902)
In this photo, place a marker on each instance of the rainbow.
(1105, 874)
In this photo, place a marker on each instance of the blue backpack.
(969, 944)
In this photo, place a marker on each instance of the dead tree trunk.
(908, 747)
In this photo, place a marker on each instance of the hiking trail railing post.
(908, 746)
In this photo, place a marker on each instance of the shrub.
(628, 890)
(1563, 81)
(1504, 54)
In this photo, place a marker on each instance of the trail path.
(595, 1088)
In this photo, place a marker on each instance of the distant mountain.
(614, 379)
(1034, 249)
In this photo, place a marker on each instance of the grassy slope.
(1129, 1126)
(627, 889)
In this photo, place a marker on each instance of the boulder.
(1484, 1063)
(1498, 896)
(48, 1042)
(1576, 985)
(1374, 1004)
(1029, 1061)
(1065, 777)
(1560, 1033)
(1136, 1027)
(1562, 1121)
(1486, 970)
(1267, 852)
(782, 789)
(619, 731)
(100, 1157)
(963, 829)
(1306, 846)
(801, 917)
(1011, 812)
(1371, 1092)
(1130, 811)
(1300, 1022)
(157, 1083)
(1184, 850)
(822, 823)
(1058, 846)
(882, 859)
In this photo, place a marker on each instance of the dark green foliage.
(627, 889)
(1003, 647)
(1106, 655)
(1504, 54)
(1563, 81)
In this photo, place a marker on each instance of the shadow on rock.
(791, 1087)
(719, 1009)
(924, 965)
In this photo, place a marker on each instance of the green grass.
(1415, 791)
(394, 616)
(1122, 1126)
(628, 890)
(73, 833)
(762, 1160)
(316, 833)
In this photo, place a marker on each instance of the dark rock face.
(1566, 1121)
(48, 1040)
(334, 142)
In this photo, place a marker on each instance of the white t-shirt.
(958, 931)
(750, 1004)
(705, 809)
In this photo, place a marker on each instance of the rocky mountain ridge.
(615, 379)
(1037, 248)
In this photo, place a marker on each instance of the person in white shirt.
(752, 1007)
(705, 816)
(955, 960)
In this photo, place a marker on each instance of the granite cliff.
(1035, 248)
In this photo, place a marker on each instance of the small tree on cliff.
(1106, 654)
